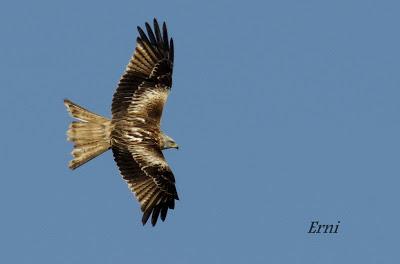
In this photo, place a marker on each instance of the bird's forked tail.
(90, 135)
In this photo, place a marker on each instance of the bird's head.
(168, 142)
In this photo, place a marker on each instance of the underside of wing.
(148, 102)
(151, 64)
(153, 185)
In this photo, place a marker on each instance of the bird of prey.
(133, 133)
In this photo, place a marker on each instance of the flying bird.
(133, 133)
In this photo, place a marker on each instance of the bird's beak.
(177, 146)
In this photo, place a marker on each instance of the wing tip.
(159, 211)
(145, 217)
(67, 103)
(140, 30)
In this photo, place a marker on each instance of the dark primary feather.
(143, 35)
(165, 37)
(158, 35)
(150, 33)
(171, 50)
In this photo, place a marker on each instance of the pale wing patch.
(148, 102)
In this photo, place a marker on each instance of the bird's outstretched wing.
(137, 108)
(150, 179)
(148, 76)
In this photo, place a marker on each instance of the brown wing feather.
(151, 159)
(149, 190)
(152, 63)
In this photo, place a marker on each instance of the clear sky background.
(286, 112)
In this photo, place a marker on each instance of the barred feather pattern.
(90, 135)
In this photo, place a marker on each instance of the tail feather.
(90, 135)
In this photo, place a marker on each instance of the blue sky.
(286, 112)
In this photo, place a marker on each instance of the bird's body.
(134, 132)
